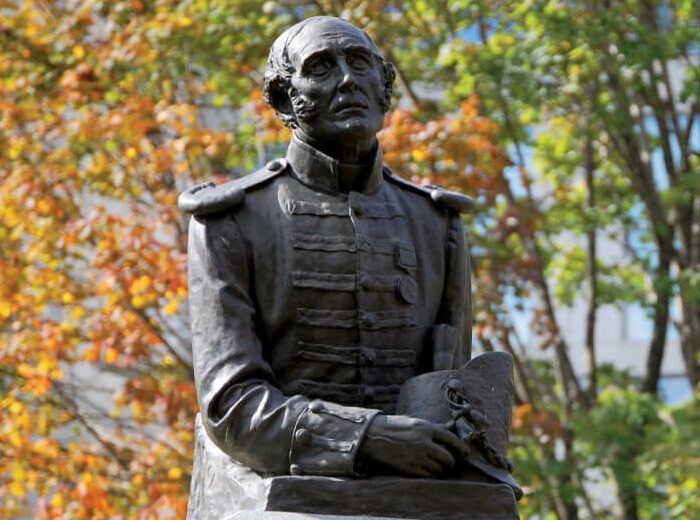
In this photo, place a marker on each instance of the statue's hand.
(409, 446)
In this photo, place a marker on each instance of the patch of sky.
(512, 173)
(471, 33)
(638, 325)
(657, 157)
(675, 390)
(521, 314)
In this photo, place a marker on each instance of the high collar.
(320, 171)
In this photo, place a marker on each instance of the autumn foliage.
(97, 393)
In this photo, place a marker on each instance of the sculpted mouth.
(350, 107)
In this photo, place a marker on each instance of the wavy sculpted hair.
(279, 70)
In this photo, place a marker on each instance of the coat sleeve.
(452, 335)
(242, 409)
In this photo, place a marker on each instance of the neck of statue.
(355, 157)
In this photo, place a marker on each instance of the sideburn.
(304, 109)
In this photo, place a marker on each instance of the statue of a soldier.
(323, 282)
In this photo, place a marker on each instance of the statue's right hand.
(410, 446)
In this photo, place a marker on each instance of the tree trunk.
(624, 469)
(661, 312)
(628, 504)
(571, 507)
(690, 307)
(690, 338)
(592, 276)
(561, 498)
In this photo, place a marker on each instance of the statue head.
(327, 81)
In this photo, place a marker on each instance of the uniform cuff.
(326, 439)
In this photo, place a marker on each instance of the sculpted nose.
(348, 80)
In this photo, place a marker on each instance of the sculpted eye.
(319, 67)
(359, 61)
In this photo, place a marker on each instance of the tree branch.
(591, 272)
(74, 410)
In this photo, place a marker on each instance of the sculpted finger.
(416, 470)
(449, 439)
(432, 467)
(442, 457)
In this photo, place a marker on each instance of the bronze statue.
(323, 282)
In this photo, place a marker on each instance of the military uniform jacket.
(310, 307)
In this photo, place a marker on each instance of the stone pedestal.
(224, 490)
(270, 515)
(392, 497)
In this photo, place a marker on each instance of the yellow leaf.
(184, 21)
(17, 489)
(111, 355)
(19, 474)
(67, 297)
(91, 354)
(139, 409)
(79, 52)
(174, 473)
(140, 284)
(44, 206)
(131, 153)
(170, 308)
(16, 439)
(77, 313)
(419, 155)
(5, 309)
(25, 370)
(57, 500)
(16, 407)
(15, 152)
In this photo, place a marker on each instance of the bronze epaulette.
(451, 199)
(208, 198)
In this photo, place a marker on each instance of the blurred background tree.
(573, 124)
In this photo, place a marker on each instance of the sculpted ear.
(276, 93)
(389, 78)
(389, 74)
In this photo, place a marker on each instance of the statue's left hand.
(410, 446)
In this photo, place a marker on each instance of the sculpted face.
(336, 86)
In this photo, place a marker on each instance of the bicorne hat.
(476, 403)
